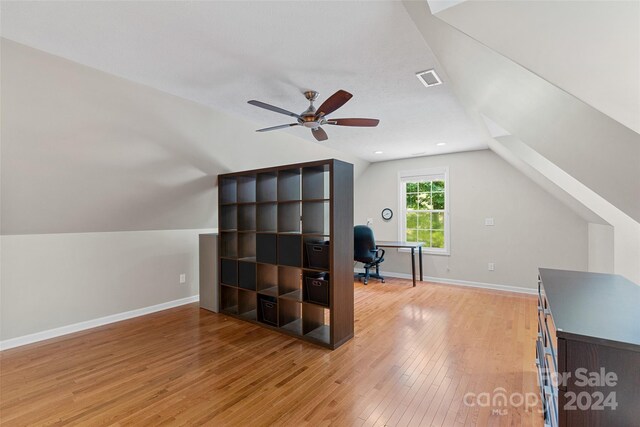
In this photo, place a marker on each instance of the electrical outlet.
(491, 266)
(488, 221)
(183, 278)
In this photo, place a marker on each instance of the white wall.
(532, 229)
(55, 280)
(626, 231)
(105, 186)
(601, 248)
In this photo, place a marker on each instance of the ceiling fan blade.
(319, 134)
(334, 102)
(354, 122)
(277, 127)
(273, 108)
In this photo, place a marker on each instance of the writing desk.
(408, 245)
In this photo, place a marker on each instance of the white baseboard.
(495, 287)
(81, 326)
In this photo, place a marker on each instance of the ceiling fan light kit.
(313, 118)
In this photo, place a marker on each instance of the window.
(424, 211)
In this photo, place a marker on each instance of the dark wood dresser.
(588, 349)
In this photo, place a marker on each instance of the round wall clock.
(387, 214)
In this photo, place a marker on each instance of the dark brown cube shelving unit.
(266, 217)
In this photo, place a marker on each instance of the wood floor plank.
(416, 353)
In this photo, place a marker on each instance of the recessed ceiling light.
(429, 78)
(377, 152)
(440, 144)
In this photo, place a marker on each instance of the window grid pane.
(425, 208)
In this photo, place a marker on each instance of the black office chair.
(366, 252)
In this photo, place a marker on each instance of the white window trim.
(402, 175)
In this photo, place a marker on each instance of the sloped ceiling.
(589, 155)
(440, 5)
(85, 151)
(587, 144)
(536, 176)
(224, 53)
(590, 49)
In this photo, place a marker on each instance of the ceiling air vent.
(429, 78)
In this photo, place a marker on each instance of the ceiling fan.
(313, 118)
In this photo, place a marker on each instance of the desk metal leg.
(420, 261)
(413, 265)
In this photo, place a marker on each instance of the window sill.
(426, 252)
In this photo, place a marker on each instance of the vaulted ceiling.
(543, 74)
(561, 77)
(223, 54)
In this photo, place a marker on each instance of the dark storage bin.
(317, 287)
(268, 310)
(318, 254)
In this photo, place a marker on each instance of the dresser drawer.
(548, 326)
(546, 360)
(548, 392)
(551, 342)
(562, 360)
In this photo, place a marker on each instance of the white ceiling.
(590, 49)
(223, 54)
(437, 6)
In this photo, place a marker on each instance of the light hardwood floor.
(416, 353)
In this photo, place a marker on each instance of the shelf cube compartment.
(228, 220)
(247, 304)
(315, 217)
(229, 272)
(266, 248)
(247, 275)
(247, 189)
(267, 280)
(315, 323)
(228, 244)
(228, 190)
(267, 217)
(289, 184)
(246, 217)
(290, 316)
(229, 299)
(290, 250)
(268, 310)
(315, 182)
(289, 283)
(267, 187)
(289, 217)
(247, 246)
